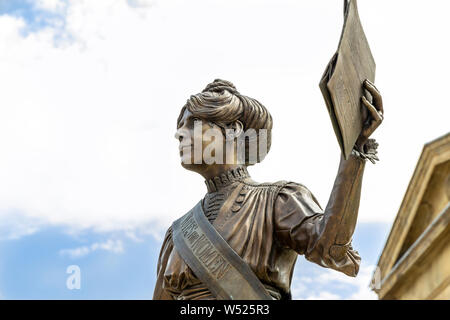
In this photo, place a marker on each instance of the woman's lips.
(181, 147)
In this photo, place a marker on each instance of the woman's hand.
(375, 114)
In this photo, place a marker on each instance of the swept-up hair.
(222, 104)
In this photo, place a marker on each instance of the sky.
(91, 91)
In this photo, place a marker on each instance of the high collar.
(226, 178)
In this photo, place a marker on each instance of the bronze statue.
(242, 239)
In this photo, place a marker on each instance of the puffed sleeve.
(160, 293)
(299, 224)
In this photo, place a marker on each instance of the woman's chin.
(186, 165)
(189, 165)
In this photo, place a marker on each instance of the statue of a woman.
(266, 224)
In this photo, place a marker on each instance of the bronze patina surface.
(266, 224)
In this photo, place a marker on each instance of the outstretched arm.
(324, 236)
(341, 212)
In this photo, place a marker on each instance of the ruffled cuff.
(370, 151)
(345, 259)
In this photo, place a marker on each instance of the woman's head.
(221, 106)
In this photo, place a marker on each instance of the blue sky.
(91, 91)
(35, 16)
(34, 266)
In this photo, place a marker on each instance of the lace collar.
(228, 177)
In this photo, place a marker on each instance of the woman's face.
(201, 142)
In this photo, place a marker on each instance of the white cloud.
(50, 5)
(364, 292)
(329, 284)
(15, 225)
(141, 3)
(324, 295)
(114, 246)
(88, 107)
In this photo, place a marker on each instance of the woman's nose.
(179, 135)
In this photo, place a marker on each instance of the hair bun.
(220, 85)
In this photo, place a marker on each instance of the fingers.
(360, 143)
(375, 119)
(376, 115)
(368, 83)
(376, 95)
(367, 131)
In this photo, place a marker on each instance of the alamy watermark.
(375, 283)
(74, 280)
(209, 146)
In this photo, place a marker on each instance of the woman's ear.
(239, 128)
(234, 129)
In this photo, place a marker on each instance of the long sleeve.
(323, 237)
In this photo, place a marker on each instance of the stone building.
(415, 261)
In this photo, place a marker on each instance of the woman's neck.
(226, 177)
(212, 171)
